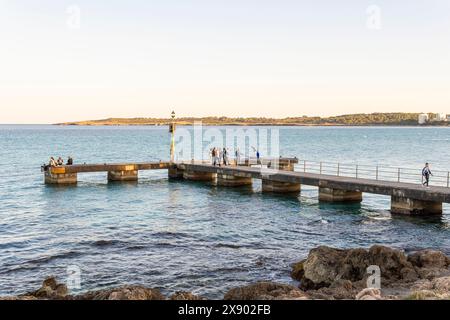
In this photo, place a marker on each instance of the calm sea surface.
(185, 235)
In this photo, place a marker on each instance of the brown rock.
(322, 267)
(123, 293)
(369, 294)
(50, 289)
(393, 264)
(429, 263)
(429, 259)
(298, 271)
(181, 295)
(266, 291)
(325, 265)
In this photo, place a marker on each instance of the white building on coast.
(423, 118)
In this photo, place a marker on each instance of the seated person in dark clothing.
(69, 161)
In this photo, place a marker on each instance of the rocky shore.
(327, 273)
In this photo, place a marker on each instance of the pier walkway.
(278, 176)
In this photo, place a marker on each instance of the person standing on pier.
(426, 172)
(220, 156)
(214, 157)
(225, 156)
(237, 155)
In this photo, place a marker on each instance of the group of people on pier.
(57, 163)
(220, 156)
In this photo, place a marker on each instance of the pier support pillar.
(232, 181)
(129, 175)
(402, 205)
(284, 166)
(280, 187)
(60, 178)
(199, 176)
(175, 172)
(336, 195)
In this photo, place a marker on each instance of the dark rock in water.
(266, 291)
(50, 289)
(123, 293)
(298, 271)
(181, 295)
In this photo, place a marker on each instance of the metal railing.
(384, 173)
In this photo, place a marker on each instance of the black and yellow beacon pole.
(172, 141)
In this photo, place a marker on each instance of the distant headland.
(373, 119)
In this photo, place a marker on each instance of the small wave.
(35, 263)
(169, 234)
(228, 245)
(136, 247)
(103, 243)
(62, 255)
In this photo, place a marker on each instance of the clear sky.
(76, 60)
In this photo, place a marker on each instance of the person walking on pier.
(426, 172)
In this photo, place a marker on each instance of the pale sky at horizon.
(265, 58)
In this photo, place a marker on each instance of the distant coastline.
(373, 119)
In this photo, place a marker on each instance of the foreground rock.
(266, 291)
(123, 293)
(181, 295)
(343, 274)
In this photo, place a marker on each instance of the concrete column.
(336, 195)
(280, 187)
(199, 176)
(232, 181)
(125, 175)
(402, 205)
(284, 166)
(175, 173)
(59, 177)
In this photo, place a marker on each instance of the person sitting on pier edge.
(60, 161)
(426, 172)
(52, 162)
(69, 161)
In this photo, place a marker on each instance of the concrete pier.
(52, 177)
(116, 171)
(406, 198)
(337, 195)
(269, 185)
(281, 165)
(175, 173)
(408, 206)
(198, 175)
(232, 180)
(124, 175)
